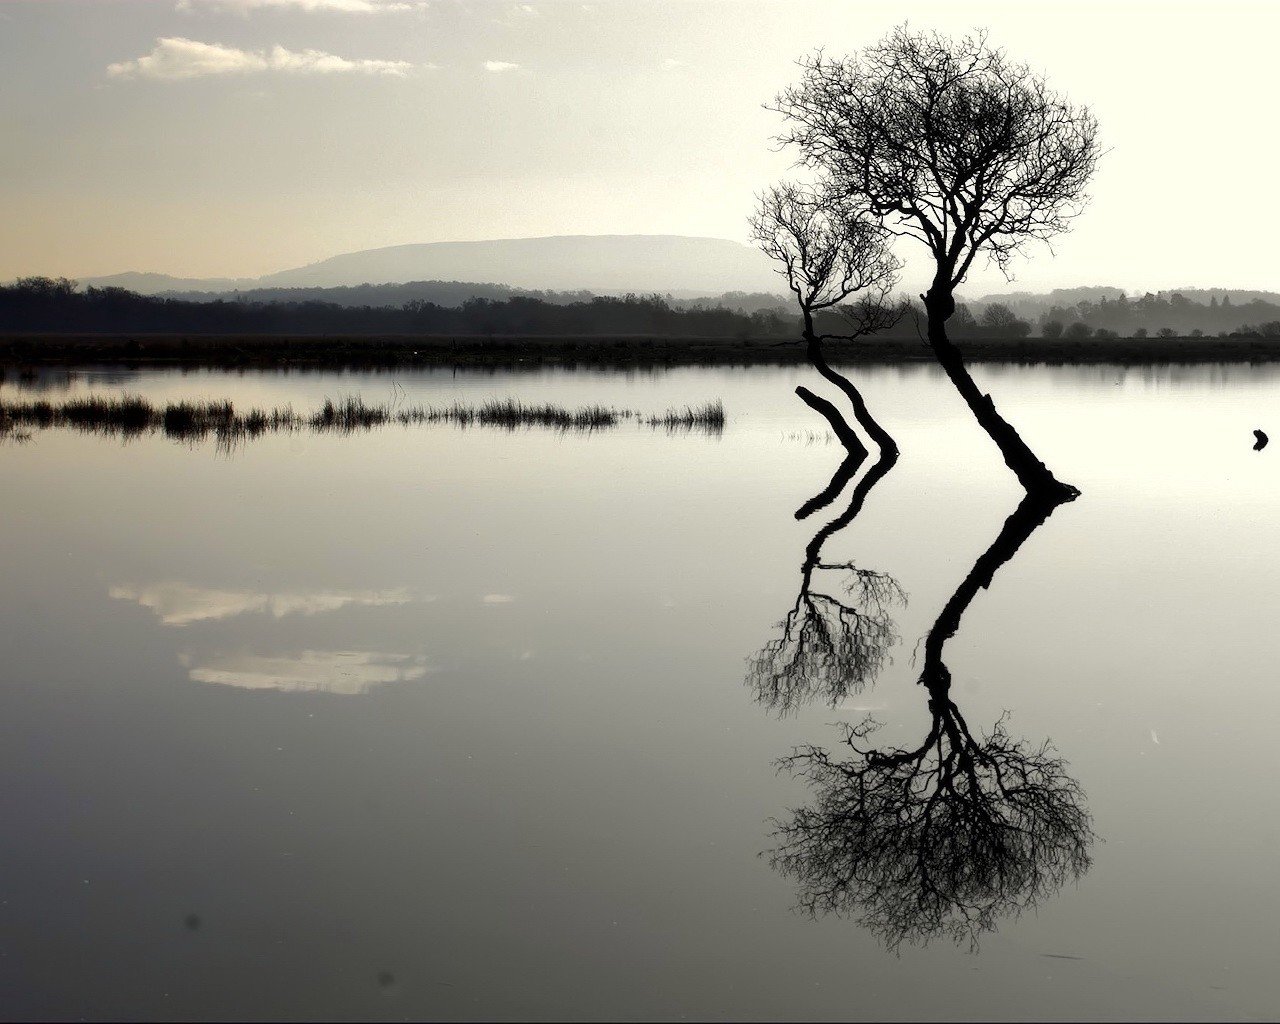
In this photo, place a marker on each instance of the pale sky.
(239, 137)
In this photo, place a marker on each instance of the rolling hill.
(603, 264)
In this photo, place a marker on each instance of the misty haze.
(623, 511)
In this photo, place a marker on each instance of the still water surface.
(457, 723)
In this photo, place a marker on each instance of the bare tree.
(945, 838)
(953, 144)
(829, 250)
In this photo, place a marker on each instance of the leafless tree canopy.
(948, 141)
(827, 249)
(940, 841)
(830, 250)
(831, 644)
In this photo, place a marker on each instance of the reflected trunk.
(1029, 516)
(949, 837)
(833, 642)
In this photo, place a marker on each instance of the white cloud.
(174, 58)
(500, 65)
(497, 599)
(321, 63)
(341, 672)
(179, 604)
(185, 58)
(342, 6)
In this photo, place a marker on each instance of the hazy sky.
(239, 137)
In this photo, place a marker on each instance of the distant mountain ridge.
(675, 264)
(157, 284)
(693, 271)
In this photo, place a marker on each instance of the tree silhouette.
(834, 640)
(999, 321)
(951, 143)
(947, 838)
(829, 250)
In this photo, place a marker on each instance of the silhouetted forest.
(455, 293)
(57, 306)
(442, 293)
(1164, 314)
(47, 305)
(39, 304)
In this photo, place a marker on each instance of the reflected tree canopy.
(946, 838)
(835, 639)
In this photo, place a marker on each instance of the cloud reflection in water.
(179, 604)
(341, 672)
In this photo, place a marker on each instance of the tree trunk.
(1033, 474)
(861, 413)
(857, 450)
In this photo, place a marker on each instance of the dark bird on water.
(1261, 441)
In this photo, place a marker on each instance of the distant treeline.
(442, 293)
(1168, 314)
(46, 305)
(57, 306)
(455, 293)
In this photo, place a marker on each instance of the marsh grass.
(354, 414)
(129, 416)
(709, 417)
(808, 438)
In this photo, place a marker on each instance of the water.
(455, 723)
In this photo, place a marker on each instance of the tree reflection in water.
(833, 642)
(949, 837)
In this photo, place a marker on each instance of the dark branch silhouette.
(947, 838)
(857, 450)
(839, 480)
(951, 143)
(829, 251)
(833, 643)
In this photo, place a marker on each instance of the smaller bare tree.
(830, 251)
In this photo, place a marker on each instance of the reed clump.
(131, 416)
(708, 417)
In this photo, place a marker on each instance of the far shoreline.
(320, 352)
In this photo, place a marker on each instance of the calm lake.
(456, 723)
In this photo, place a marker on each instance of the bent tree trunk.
(857, 450)
(1033, 474)
(861, 413)
(1032, 512)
